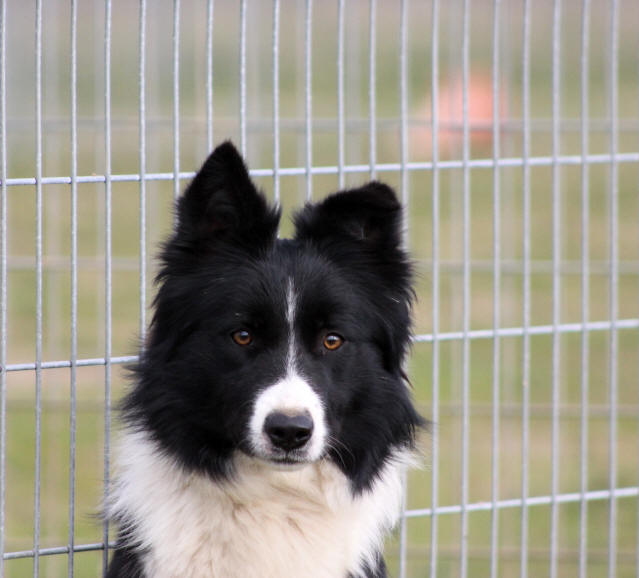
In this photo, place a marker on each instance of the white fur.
(291, 302)
(266, 523)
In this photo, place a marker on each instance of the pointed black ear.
(370, 217)
(222, 204)
(360, 231)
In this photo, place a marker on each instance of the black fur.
(125, 563)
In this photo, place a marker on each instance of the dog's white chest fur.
(264, 524)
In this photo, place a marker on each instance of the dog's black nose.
(288, 432)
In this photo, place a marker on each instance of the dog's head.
(289, 351)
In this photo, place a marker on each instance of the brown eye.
(332, 341)
(242, 337)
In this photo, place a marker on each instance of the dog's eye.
(242, 337)
(332, 341)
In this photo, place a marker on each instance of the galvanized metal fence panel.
(116, 118)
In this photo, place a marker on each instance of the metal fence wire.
(511, 131)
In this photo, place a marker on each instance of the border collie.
(270, 421)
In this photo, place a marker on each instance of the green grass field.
(21, 282)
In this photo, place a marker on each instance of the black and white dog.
(270, 421)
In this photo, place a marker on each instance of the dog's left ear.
(368, 218)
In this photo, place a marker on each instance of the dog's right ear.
(223, 205)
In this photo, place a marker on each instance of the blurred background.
(542, 244)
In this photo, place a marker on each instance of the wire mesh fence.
(511, 131)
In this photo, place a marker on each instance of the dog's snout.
(288, 432)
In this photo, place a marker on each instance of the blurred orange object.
(450, 115)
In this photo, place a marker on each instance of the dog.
(270, 420)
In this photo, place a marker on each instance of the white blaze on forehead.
(291, 304)
(292, 395)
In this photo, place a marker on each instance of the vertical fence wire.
(142, 161)
(434, 527)
(556, 284)
(525, 427)
(340, 93)
(107, 275)
(210, 9)
(494, 492)
(614, 287)
(243, 77)
(372, 97)
(403, 123)
(176, 98)
(585, 289)
(405, 194)
(276, 101)
(466, 291)
(74, 284)
(39, 302)
(308, 94)
(3, 279)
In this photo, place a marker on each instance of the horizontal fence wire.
(565, 498)
(352, 125)
(97, 547)
(509, 266)
(472, 334)
(489, 163)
